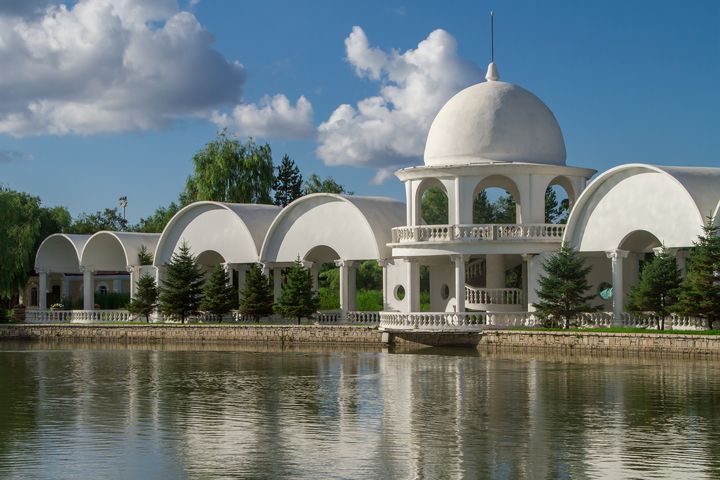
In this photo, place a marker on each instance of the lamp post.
(123, 203)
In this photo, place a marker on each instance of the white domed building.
(493, 135)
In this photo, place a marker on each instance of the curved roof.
(672, 203)
(357, 228)
(61, 252)
(107, 250)
(234, 230)
(494, 121)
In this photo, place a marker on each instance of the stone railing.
(48, 316)
(451, 321)
(634, 320)
(363, 318)
(537, 232)
(77, 316)
(335, 317)
(493, 296)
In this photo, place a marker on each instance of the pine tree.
(256, 297)
(288, 182)
(298, 299)
(144, 256)
(563, 287)
(181, 291)
(218, 295)
(146, 297)
(657, 290)
(699, 294)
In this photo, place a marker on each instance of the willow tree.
(228, 170)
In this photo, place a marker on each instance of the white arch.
(115, 251)
(672, 203)
(60, 252)
(233, 230)
(357, 228)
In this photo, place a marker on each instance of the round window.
(445, 292)
(399, 292)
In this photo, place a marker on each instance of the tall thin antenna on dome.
(492, 36)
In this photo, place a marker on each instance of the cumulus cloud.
(274, 117)
(108, 66)
(387, 131)
(12, 156)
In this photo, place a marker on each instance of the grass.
(618, 330)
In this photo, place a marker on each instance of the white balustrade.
(538, 232)
(493, 296)
(453, 321)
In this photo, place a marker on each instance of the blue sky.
(104, 98)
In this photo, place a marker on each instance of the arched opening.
(432, 199)
(640, 241)
(208, 260)
(496, 199)
(326, 276)
(559, 198)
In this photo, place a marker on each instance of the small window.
(445, 292)
(102, 290)
(34, 296)
(399, 292)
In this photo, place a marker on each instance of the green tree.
(563, 287)
(145, 257)
(483, 210)
(181, 291)
(699, 294)
(227, 170)
(315, 184)
(256, 296)
(369, 275)
(555, 211)
(504, 209)
(146, 297)
(298, 299)
(288, 183)
(107, 219)
(19, 235)
(657, 289)
(156, 222)
(434, 206)
(219, 296)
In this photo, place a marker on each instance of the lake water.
(183, 411)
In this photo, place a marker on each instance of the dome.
(494, 121)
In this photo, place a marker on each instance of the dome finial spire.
(492, 71)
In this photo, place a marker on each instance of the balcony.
(532, 232)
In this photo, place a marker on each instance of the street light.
(123, 203)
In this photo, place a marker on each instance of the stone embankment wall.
(357, 335)
(600, 341)
(286, 334)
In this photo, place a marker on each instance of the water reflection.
(161, 411)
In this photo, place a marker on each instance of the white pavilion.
(491, 135)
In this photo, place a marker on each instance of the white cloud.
(274, 117)
(109, 66)
(388, 131)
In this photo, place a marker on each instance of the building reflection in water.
(150, 411)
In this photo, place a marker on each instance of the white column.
(413, 285)
(344, 300)
(88, 288)
(495, 271)
(277, 282)
(410, 205)
(42, 289)
(383, 262)
(618, 294)
(159, 275)
(459, 282)
(531, 276)
(133, 281)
